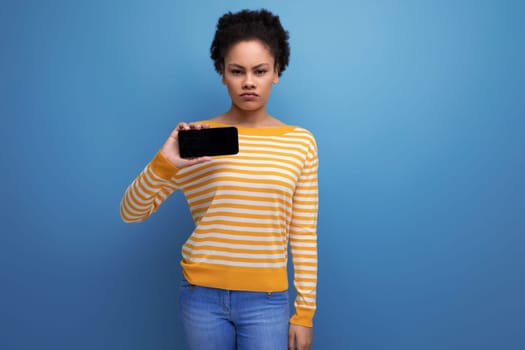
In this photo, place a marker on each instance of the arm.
(147, 192)
(157, 181)
(303, 244)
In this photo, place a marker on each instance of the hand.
(170, 149)
(299, 337)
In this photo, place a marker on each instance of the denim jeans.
(217, 319)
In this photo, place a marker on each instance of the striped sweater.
(247, 209)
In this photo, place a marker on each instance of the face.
(249, 72)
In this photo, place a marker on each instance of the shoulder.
(301, 130)
(305, 135)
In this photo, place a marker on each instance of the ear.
(275, 75)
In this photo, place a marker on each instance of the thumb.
(198, 160)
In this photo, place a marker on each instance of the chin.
(248, 107)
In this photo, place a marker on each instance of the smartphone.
(208, 142)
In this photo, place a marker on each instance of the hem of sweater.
(236, 278)
(162, 167)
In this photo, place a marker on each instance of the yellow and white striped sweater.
(246, 209)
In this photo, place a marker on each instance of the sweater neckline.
(264, 131)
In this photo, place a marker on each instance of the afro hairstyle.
(250, 25)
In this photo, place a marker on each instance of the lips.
(249, 95)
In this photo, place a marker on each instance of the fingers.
(299, 338)
(187, 126)
(182, 126)
(291, 339)
(191, 126)
(196, 126)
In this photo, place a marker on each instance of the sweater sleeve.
(303, 241)
(147, 192)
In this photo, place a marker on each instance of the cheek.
(229, 86)
(268, 86)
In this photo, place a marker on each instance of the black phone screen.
(208, 142)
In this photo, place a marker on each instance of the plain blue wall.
(418, 108)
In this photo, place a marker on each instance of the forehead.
(249, 52)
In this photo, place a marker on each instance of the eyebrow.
(242, 67)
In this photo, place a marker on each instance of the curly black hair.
(248, 25)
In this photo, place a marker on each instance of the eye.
(235, 71)
(260, 71)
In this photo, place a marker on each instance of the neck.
(255, 118)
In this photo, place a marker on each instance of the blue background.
(418, 109)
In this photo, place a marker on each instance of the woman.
(247, 207)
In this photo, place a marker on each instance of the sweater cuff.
(303, 317)
(162, 167)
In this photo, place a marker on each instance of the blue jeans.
(217, 319)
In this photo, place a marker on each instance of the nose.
(248, 82)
